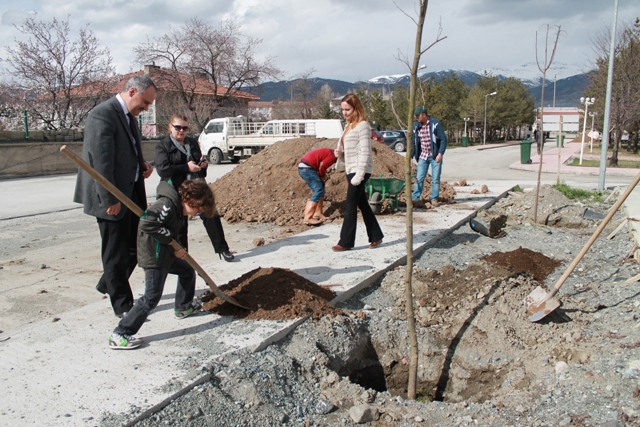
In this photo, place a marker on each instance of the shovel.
(540, 303)
(137, 211)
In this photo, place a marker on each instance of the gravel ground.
(481, 362)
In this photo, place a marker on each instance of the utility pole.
(555, 78)
(607, 102)
(560, 144)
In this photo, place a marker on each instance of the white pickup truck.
(235, 138)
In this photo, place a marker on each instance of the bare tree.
(543, 66)
(413, 66)
(302, 93)
(51, 64)
(625, 102)
(323, 101)
(201, 57)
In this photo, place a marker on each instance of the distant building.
(155, 121)
(551, 120)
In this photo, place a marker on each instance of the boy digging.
(160, 224)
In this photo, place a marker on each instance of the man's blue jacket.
(438, 139)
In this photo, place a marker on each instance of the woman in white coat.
(354, 150)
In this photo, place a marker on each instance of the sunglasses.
(180, 128)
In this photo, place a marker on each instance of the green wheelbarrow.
(384, 188)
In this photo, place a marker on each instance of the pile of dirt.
(523, 260)
(272, 294)
(267, 188)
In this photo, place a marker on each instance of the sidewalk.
(62, 373)
(572, 149)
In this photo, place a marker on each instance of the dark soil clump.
(272, 294)
(523, 260)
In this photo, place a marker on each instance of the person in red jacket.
(313, 169)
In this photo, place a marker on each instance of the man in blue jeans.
(429, 145)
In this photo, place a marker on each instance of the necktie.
(136, 146)
(133, 127)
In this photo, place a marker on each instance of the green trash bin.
(465, 141)
(560, 141)
(525, 152)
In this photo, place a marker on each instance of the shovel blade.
(537, 307)
(226, 298)
(479, 227)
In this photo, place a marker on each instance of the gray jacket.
(109, 149)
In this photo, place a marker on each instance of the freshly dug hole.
(475, 341)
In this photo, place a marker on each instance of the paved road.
(497, 164)
(33, 196)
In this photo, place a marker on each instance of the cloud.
(344, 39)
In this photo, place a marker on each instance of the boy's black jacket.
(160, 223)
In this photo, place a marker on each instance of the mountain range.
(568, 90)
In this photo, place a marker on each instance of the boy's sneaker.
(194, 307)
(123, 342)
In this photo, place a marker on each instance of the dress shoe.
(374, 245)
(101, 287)
(228, 256)
(338, 248)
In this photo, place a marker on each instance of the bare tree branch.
(50, 67)
(543, 67)
(218, 57)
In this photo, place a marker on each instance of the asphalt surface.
(63, 374)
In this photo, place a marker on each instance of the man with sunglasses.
(112, 146)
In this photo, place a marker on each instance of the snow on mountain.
(528, 73)
(531, 75)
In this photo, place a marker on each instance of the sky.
(350, 40)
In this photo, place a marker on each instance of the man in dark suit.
(112, 147)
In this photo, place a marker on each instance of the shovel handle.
(139, 212)
(594, 236)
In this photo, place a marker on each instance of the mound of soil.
(267, 188)
(273, 294)
(523, 260)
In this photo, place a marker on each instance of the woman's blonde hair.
(177, 117)
(358, 116)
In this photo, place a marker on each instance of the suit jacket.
(108, 148)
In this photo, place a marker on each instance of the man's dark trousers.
(119, 256)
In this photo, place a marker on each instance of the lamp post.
(593, 117)
(586, 102)
(484, 140)
(555, 79)
(466, 119)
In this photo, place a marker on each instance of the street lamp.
(586, 102)
(484, 141)
(593, 117)
(466, 119)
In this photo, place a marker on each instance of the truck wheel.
(399, 147)
(215, 156)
